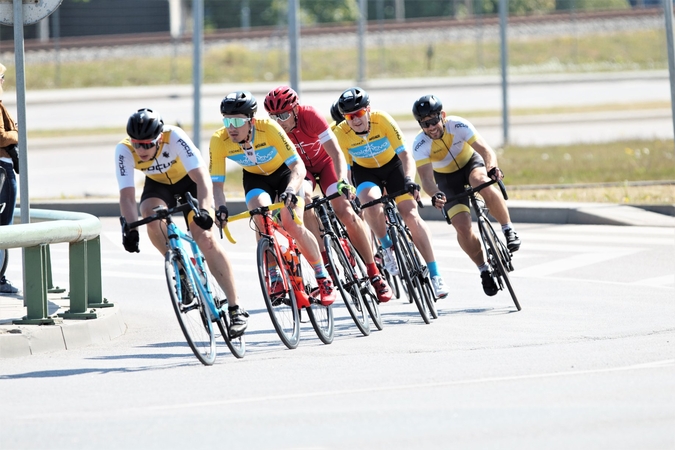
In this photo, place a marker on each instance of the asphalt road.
(588, 363)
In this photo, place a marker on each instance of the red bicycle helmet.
(280, 100)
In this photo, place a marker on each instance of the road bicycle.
(497, 253)
(413, 272)
(196, 296)
(346, 266)
(287, 279)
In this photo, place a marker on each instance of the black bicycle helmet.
(144, 124)
(240, 102)
(335, 112)
(425, 106)
(352, 100)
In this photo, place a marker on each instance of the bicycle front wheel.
(237, 345)
(344, 278)
(409, 271)
(278, 294)
(320, 316)
(193, 314)
(427, 291)
(497, 259)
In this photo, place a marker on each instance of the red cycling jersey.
(310, 132)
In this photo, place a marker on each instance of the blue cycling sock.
(386, 242)
(433, 269)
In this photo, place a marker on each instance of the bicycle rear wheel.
(320, 316)
(278, 294)
(193, 314)
(237, 345)
(499, 259)
(344, 278)
(408, 270)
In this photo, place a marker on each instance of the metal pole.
(197, 40)
(363, 16)
(19, 62)
(503, 12)
(668, 12)
(294, 43)
(245, 16)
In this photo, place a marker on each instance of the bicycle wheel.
(408, 270)
(279, 297)
(427, 291)
(497, 258)
(193, 314)
(320, 316)
(237, 345)
(342, 272)
(367, 291)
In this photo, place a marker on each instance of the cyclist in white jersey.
(173, 165)
(450, 154)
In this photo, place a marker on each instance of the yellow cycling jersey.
(375, 149)
(271, 148)
(177, 155)
(449, 153)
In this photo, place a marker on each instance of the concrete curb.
(65, 334)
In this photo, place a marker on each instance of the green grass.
(633, 50)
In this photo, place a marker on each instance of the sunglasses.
(281, 117)
(145, 144)
(430, 122)
(235, 122)
(354, 115)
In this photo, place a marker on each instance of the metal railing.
(82, 232)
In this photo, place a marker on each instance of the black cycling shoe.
(512, 240)
(238, 321)
(489, 286)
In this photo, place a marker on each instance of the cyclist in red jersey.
(318, 149)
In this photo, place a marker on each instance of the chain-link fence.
(89, 41)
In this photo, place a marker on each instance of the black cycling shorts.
(274, 184)
(454, 183)
(168, 192)
(390, 175)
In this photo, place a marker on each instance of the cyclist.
(172, 165)
(336, 115)
(272, 169)
(451, 154)
(324, 161)
(373, 146)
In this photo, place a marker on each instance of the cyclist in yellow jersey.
(451, 154)
(272, 170)
(373, 146)
(173, 166)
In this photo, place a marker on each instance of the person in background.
(9, 138)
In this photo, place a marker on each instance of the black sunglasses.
(430, 122)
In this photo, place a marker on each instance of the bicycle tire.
(406, 265)
(237, 345)
(367, 291)
(194, 316)
(427, 291)
(283, 306)
(4, 259)
(496, 259)
(345, 280)
(320, 316)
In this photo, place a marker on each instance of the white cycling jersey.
(452, 151)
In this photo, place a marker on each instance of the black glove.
(203, 219)
(130, 241)
(437, 196)
(289, 195)
(222, 214)
(411, 186)
(493, 173)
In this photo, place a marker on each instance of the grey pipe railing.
(82, 232)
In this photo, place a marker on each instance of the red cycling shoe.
(326, 290)
(381, 288)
